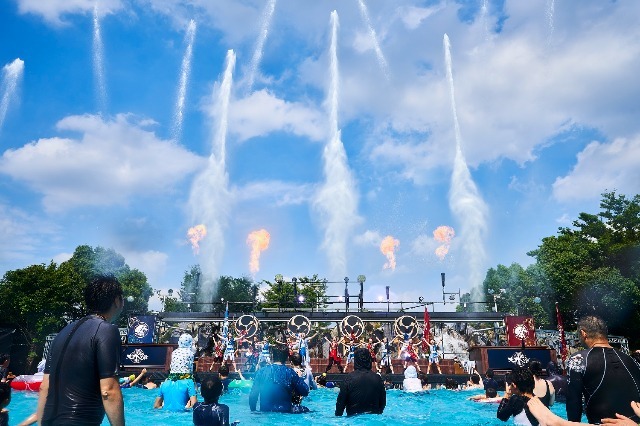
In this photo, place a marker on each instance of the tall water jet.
(185, 70)
(337, 200)
(98, 62)
(374, 38)
(262, 37)
(209, 199)
(11, 74)
(551, 6)
(484, 16)
(464, 199)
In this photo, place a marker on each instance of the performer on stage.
(265, 355)
(303, 347)
(353, 345)
(371, 347)
(434, 356)
(386, 349)
(333, 355)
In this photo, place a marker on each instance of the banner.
(520, 328)
(426, 333)
(141, 329)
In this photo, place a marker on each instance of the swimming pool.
(438, 407)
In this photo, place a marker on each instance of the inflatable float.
(27, 382)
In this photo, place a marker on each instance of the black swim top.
(608, 379)
(546, 399)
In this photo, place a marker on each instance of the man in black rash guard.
(276, 384)
(608, 379)
(80, 381)
(362, 390)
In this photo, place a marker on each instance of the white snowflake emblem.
(518, 359)
(137, 356)
(576, 363)
(141, 330)
(521, 331)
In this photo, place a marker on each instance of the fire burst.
(196, 234)
(387, 247)
(259, 242)
(444, 235)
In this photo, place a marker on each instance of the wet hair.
(211, 389)
(362, 359)
(508, 378)
(593, 326)
(100, 293)
(5, 394)
(490, 393)
(280, 354)
(296, 360)
(536, 367)
(450, 384)
(523, 379)
(223, 370)
(475, 379)
(321, 380)
(489, 373)
(4, 358)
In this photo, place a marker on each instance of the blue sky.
(546, 96)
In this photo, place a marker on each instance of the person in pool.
(362, 390)
(5, 399)
(514, 403)
(210, 412)
(276, 384)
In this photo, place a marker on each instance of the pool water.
(438, 407)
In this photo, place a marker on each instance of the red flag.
(563, 341)
(427, 329)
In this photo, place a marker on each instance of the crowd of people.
(602, 382)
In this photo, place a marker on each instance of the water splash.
(210, 198)
(464, 199)
(374, 38)
(551, 6)
(98, 62)
(185, 70)
(262, 37)
(11, 75)
(337, 199)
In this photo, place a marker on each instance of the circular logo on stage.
(247, 326)
(406, 325)
(351, 324)
(521, 331)
(141, 330)
(299, 324)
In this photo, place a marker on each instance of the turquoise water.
(438, 407)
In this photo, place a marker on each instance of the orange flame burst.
(196, 234)
(443, 234)
(387, 247)
(259, 242)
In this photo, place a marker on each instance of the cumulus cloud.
(152, 263)
(109, 162)
(282, 193)
(262, 112)
(600, 167)
(368, 238)
(53, 11)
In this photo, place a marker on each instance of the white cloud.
(151, 262)
(424, 246)
(53, 11)
(21, 235)
(110, 162)
(368, 238)
(262, 113)
(62, 257)
(412, 16)
(600, 167)
(284, 193)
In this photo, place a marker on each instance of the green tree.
(594, 266)
(39, 300)
(89, 262)
(241, 293)
(282, 293)
(190, 289)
